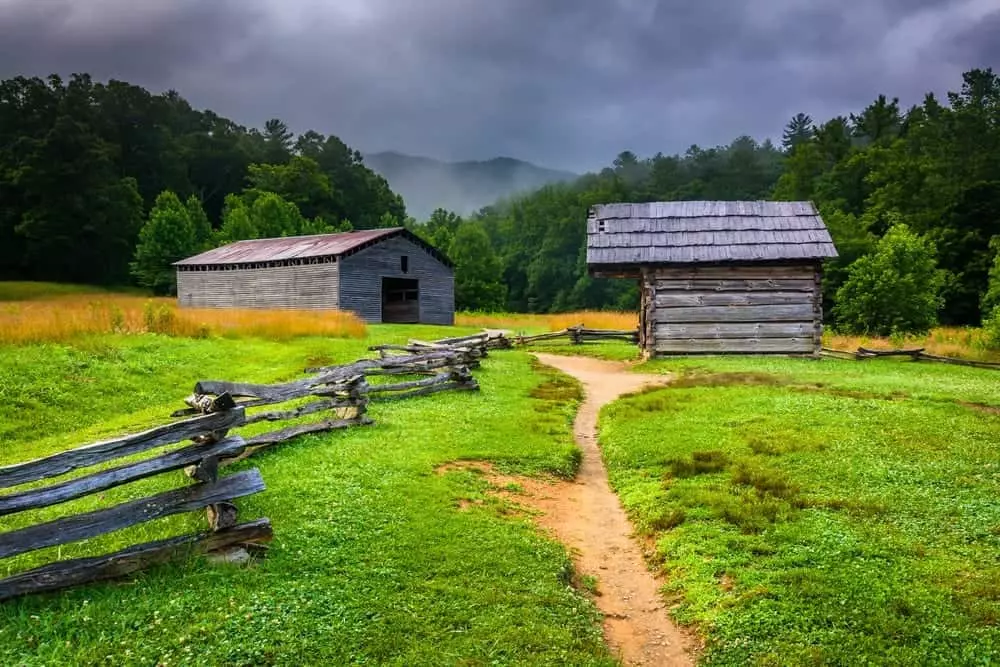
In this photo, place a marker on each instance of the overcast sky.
(563, 83)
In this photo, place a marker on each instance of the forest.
(108, 183)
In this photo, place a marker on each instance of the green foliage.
(81, 162)
(894, 290)
(991, 298)
(199, 223)
(236, 222)
(478, 285)
(168, 236)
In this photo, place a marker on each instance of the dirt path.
(590, 520)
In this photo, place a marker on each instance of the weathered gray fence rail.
(916, 354)
(338, 395)
(211, 442)
(579, 335)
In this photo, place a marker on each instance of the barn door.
(400, 300)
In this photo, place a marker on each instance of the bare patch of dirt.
(587, 516)
(981, 407)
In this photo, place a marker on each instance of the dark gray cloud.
(565, 83)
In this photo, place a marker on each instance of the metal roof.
(300, 247)
(689, 232)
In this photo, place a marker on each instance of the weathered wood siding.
(738, 309)
(306, 286)
(361, 280)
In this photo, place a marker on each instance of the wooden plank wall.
(361, 281)
(307, 286)
(739, 309)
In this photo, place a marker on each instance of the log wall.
(743, 309)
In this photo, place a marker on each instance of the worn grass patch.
(841, 513)
(373, 561)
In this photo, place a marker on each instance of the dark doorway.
(400, 300)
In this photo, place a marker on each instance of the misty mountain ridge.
(461, 187)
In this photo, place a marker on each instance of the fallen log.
(68, 573)
(109, 479)
(108, 450)
(99, 522)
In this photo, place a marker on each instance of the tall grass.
(58, 318)
(593, 319)
(962, 342)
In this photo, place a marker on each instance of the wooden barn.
(383, 275)
(717, 276)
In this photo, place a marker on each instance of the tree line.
(911, 197)
(108, 183)
(83, 166)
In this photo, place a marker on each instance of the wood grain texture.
(108, 450)
(361, 280)
(68, 573)
(735, 346)
(109, 479)
(696, 298)
(735, 284)
(735, 330)
(310, 286)
(796, 313)
(99, 522)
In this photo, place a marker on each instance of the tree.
(236, 223)
(798, 131)
(199, 223)
(168, 236)
(478, 284)
(894, 290)
(278, 141)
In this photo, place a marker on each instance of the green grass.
(820, 512)
(373, 561)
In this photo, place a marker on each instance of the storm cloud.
(563, 83)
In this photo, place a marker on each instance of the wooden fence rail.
(210, 492)
(337, 395)
(916, 354)
(579, 335)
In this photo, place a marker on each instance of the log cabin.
(383, 275)
(717, 277)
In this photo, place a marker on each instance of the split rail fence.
(579, 335)
(916, 354)
(338, 397)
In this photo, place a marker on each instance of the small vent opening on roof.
(600, 227)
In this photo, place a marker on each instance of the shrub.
(895, 290)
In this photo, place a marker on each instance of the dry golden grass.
(64, 317)
(593, 319)
(960, 342)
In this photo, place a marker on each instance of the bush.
(894, 290)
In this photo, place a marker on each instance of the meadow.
(819, 512)
(374, 558)
(805, 512)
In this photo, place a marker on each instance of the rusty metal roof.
(300, 247)
(686, 232)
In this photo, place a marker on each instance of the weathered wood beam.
(68, 573)
(99, 522)
(308, 409)
(108, 450)
(109, 479)
(263, 441)
(711, 314)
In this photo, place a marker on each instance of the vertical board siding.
(361, 281)
(736, 309)
(309, 286)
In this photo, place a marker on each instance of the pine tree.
(199, 223)
(799, 130)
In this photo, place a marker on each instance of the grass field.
(806, 512)
(820, 512)
(373, 561)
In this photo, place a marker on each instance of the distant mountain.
(463, 187)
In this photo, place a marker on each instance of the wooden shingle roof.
(688, 232)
